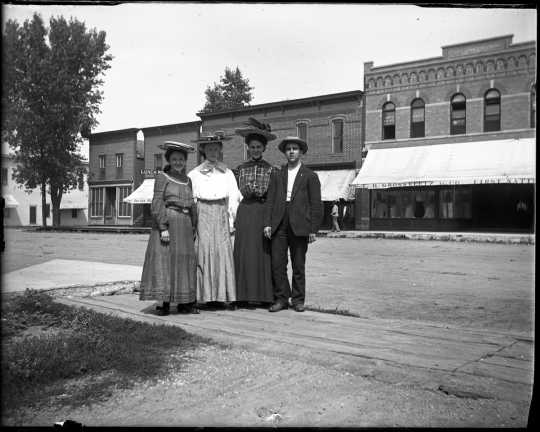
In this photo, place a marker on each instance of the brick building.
(115, 170)
(451, 140)
(332, 126)
(154, 161)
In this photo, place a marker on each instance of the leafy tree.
(233, 91)
(50, 97)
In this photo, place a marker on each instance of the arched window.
(458, 114)
(533, 106)
(337, 136)
(418, 118)
(492, 111)
(301, 130)
(389, 121)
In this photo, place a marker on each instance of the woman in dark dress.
(169, 271)
(251, 249)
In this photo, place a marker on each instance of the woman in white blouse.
(217, 196)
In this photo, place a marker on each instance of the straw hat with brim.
(292, 139)
(175, 145)
(211, 139)
(269, 136)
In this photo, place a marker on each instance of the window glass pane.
(4, 176)
(455, 203)
(492, 94)
(458, 114)
(302, 131)
(492, 109)
(417, 103)
(388, 118)
(418, 115)
(458, 99)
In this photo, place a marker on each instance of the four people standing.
(190, 256)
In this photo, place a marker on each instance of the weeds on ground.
(77, 355)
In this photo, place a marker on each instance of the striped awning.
(464, 163)
(143, 194)
(335, 184)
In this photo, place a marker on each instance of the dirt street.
(470, 284)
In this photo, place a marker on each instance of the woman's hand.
(267, 232)
(165, 236)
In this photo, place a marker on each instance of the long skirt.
(169, 271)
(215, 262)
(252, 258)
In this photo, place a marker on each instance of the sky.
(166, 54)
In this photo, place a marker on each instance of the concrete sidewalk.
(59, 274)
(503, 238)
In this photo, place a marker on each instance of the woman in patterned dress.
(169, 271)
(251, 248)
(217, 196)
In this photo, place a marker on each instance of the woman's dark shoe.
(230, 306)
(277, 306)
(163, 310)
(244, 305)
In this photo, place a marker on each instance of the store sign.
(150, 172)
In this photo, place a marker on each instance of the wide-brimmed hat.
(208, 139)
(178, 146)
(255, 127)
(293, 139)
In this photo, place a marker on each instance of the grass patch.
(73, 355)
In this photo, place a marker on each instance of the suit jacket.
(305, 207)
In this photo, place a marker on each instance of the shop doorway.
(33, 210)
(110, 206)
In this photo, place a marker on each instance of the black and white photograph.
(268, 215)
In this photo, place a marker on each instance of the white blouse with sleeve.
(214, 182)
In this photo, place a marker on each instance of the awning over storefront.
(335, 184)
(143, 194)
(10, 201)
(496, 161)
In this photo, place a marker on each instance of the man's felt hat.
(293, 139)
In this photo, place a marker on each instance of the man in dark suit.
(294, 213)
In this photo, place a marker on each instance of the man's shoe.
(299, 307)
(277, 306)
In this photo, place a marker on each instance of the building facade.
(332, 125)
(23, 207)
(115, 170)
(449, 107)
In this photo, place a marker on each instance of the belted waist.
(216, 201)
(254, 199)
(178, 208)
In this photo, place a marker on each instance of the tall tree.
(50, 99)
(233, 91)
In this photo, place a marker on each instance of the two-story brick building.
(451, 140)
(154, 161)
(331, 125)
(115, 168)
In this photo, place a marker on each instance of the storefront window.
(404, 204)
(455, 203)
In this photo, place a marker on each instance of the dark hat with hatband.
(208, 139)
(253, 127)
(293, 139)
